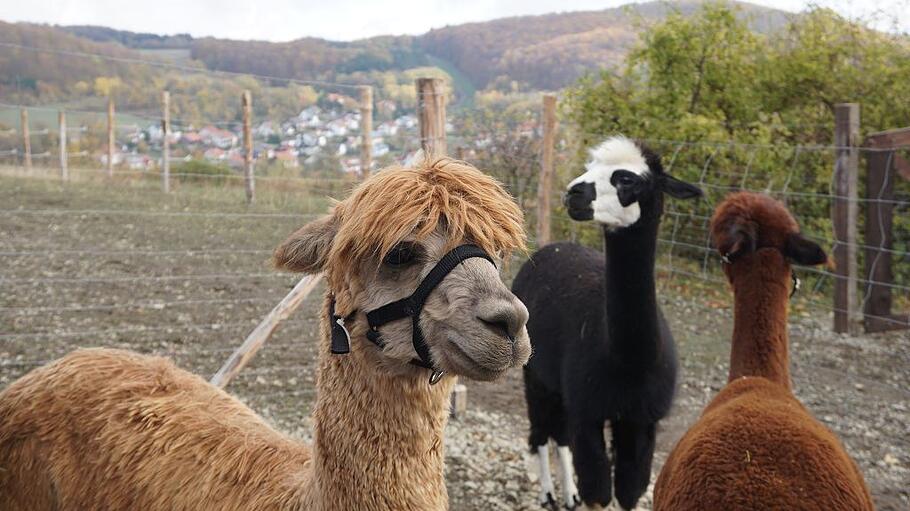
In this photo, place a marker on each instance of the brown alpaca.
(756, 446)
(113, 430)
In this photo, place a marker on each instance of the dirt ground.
(186, 275)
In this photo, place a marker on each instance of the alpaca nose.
(580, 194)
(504, 317)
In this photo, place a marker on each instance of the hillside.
(130, 39)
(540, 52)
(552, 50)
(533, 52)
(24, 73)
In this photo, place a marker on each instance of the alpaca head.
(746, 222)
(379, 244)
(623, 181)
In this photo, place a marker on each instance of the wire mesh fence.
(800, 175)
(116, 262)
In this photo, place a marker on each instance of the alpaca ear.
(306, 249)
(680, 189)
(804, 251)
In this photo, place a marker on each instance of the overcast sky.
(283, 20)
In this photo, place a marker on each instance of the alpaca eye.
(400, 255)
(625, 181)
(623, 178)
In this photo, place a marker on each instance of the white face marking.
(569, 490)
(616, 153)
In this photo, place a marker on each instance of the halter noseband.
(410, 306)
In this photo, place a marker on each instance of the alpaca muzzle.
(409, 307)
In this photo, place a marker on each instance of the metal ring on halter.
(796, 284)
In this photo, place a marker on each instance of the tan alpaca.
(109, 429)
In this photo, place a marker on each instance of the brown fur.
(114, 430)
(756, 446)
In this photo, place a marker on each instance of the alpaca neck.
(761, 284)
(378, 438)
(631, 300)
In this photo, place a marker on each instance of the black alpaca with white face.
(603, 352)
(618, 179)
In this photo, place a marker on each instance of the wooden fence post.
(366, 130)
(845, 212)
(882, 171)
(263, 331)
(165, 142)
(247, 103)
(431, 112)
(459, 401)
(111, 141)
(545, 181)
(26, 138)
(61, 122)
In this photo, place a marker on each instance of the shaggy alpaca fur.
(756, 446)
(414, 201)
(113, 430)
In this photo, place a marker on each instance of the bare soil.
(122, 265)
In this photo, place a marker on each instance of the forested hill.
(538, 52)
(552, 50)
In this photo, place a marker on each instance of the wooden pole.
(263, 331)
(165, 141)
(431, 112)
(545, 182)
(61, 122)
(110, 137)
(845, 215)
(366, 130)
(459, 403)
(26, 139)
(879, 241)
(247, 103)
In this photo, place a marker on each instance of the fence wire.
(191, 280)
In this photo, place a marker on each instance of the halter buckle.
(435, 376)
(796, 284)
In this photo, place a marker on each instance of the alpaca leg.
(592, 464)
(569, 490)
(546, 498)
(546, 419)
(633, 445)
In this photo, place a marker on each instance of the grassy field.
(46, 117)
(118, 263)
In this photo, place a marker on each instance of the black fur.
(602, 352)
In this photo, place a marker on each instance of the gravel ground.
(857, 385)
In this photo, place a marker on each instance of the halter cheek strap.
(409, 307)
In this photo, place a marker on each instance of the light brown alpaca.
(113, 430)
(756, 446)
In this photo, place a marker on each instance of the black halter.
(411, 307)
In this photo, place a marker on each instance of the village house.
(214, 154)
(287, 158)
(218, 137)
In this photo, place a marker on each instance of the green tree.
(732, 108)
